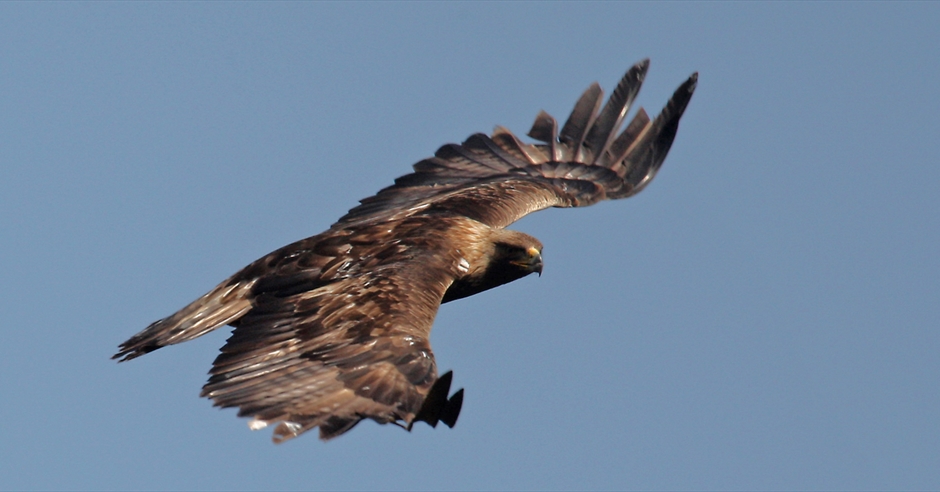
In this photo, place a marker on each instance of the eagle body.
(335, 328)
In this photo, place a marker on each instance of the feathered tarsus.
(335, 328)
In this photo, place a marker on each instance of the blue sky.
(763, 316)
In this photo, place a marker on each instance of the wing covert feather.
(356, 346)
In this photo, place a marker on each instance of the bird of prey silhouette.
(335, 328)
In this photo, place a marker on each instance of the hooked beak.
(536, 265)
(532, 263)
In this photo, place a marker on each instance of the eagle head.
(517, 262)
(506, 256)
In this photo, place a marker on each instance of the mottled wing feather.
(227, 302)
(327, 347)
(529, 154)
(335, 328)
(501, 201)
(498, 179)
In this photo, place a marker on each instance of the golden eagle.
(334, 328)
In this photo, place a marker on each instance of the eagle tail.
(223, 305)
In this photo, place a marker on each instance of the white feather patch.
(256, 424)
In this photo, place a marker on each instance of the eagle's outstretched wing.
(338, 330)
(498, 179)
(335, 328)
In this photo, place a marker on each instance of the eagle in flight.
(335, 328)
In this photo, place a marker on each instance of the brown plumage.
(334, 328)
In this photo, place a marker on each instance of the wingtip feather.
(604, 130)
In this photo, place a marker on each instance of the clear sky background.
(766, 315)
